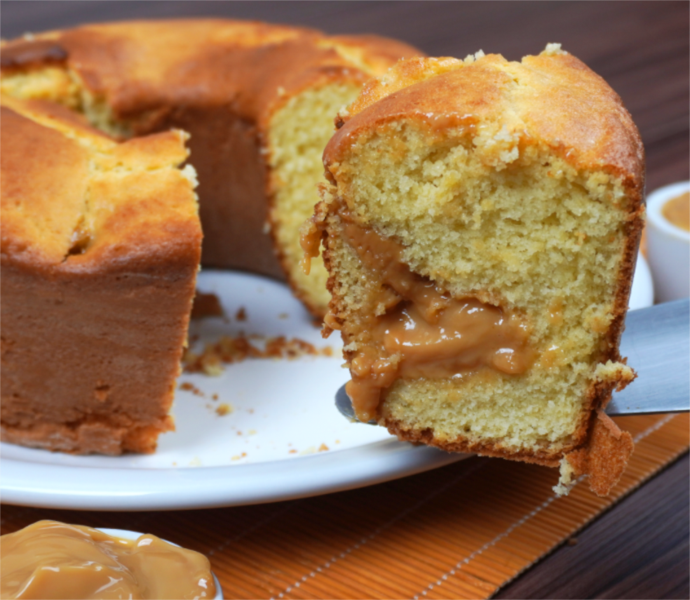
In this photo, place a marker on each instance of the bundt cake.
(480, 228)
(101, 240)
(100, 249)
(258, 100)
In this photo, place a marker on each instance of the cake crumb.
(214, 397)
(323, 448)
(190, 387)
(283, 316)
(206, 305)
(233, 349)
(567, 480)
(293, 451)
(224, 409)
(252, 432)
(572, 541)
(241, 314)
(553, 50)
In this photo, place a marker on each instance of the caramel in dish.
(55, 560)
(677, 211)
(424, 332)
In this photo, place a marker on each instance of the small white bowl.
(133, 535)
(668, 246)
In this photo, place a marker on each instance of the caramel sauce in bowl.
(677, 211)
(55, 560)
(134, 535)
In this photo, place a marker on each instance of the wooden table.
(639, 549)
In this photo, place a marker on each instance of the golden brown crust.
(222, 85)
(23, 54)
(52, 192)
(547, 95)
(100, 249)
(605, 456)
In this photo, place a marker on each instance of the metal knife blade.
(656, 342)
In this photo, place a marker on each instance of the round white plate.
(281, 438)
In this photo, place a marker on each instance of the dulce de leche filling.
(423, 331)
(54, 560)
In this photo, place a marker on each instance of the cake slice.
(480, 229)
(100, 250)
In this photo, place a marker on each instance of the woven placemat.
(462, 531)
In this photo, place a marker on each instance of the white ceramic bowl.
(133, 535)
(668, 246)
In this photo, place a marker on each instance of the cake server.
(656, 341)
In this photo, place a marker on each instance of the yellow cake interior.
(295, 158)
(485, 214)
(64, 86)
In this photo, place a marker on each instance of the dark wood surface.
(639, 549)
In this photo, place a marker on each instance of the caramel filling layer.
(54, 560)
(677, 211)
(424, 332)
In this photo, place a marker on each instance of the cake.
(100, 248)
(480, 227)
(96, 305)
(258, 100)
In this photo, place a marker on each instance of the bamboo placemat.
(462, 531)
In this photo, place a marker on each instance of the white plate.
(283, 439)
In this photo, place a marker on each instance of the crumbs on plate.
(206, 305)
(224, 409)
(312, 450)
(190, 387)
(232, 349)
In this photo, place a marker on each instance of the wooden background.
(639, 549)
